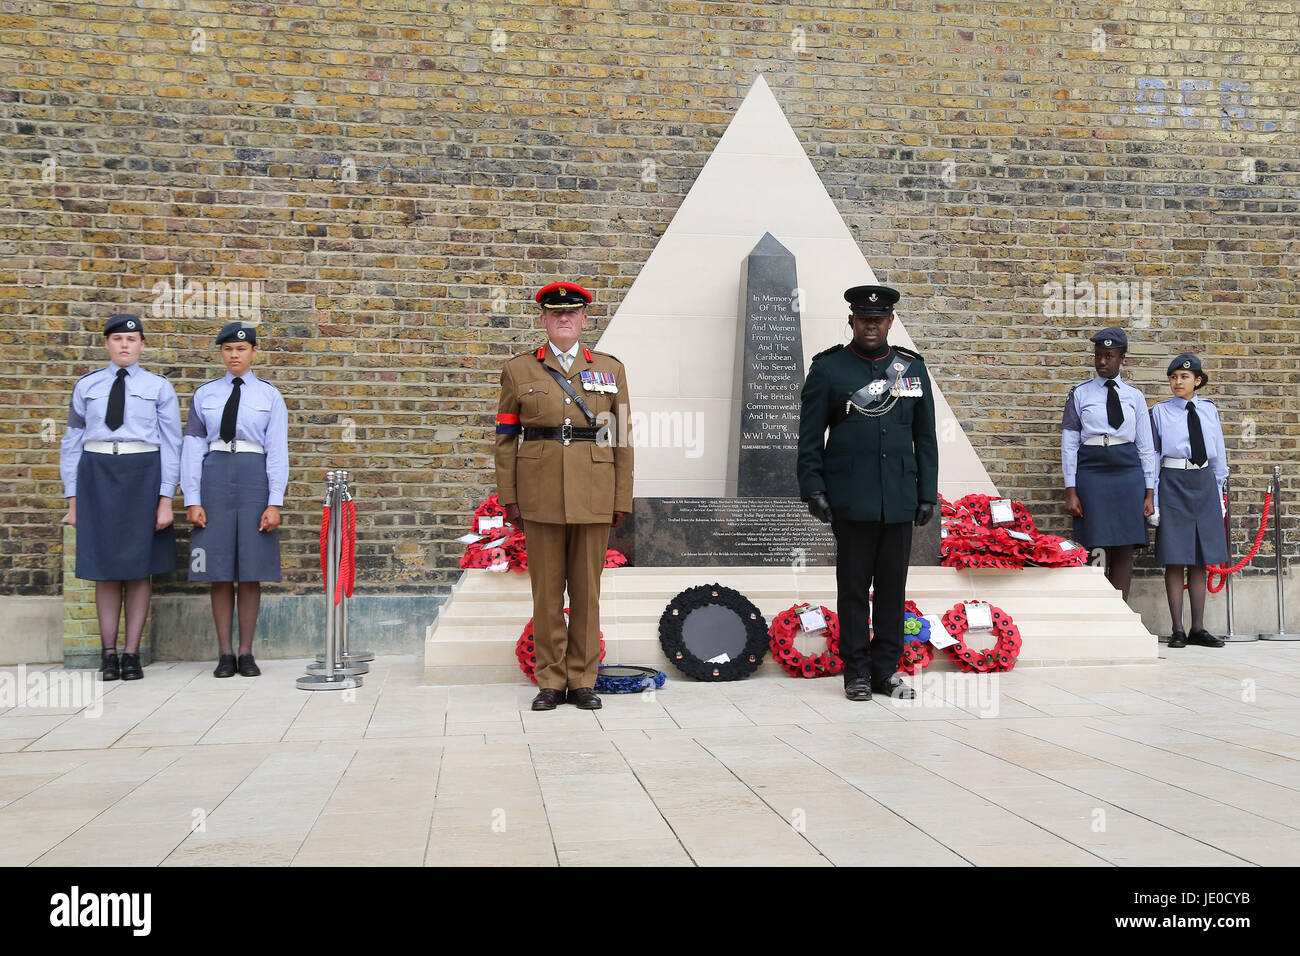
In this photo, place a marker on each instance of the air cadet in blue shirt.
(1189, 495)
(1108, 460)
(234, 472)
(120, 461)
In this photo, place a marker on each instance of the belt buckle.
(566, 433)
(234, 446)
(115, 446)
(1105, 441)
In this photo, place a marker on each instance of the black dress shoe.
(1203, 637)
(131, 669)
(108, 666)
(858, 689)
(584, 698)
(248, 667)
(1177, 639)
(893, 687)
(548, 698)
(225, 666)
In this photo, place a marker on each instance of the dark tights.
(1119, 568)
(108, 607)
(1195, 590)
(223, 609)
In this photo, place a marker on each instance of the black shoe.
(858, 689)
(225, 666)
(584, 698)
(131, 669)
(248, 667)
(1203, 637)
(547, 698)
(1177, 639)
(108, 666)
(893, 687)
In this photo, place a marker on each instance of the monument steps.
(1067, 616)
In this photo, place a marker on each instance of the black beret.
(1187, 362)
(1111, 338)
(871, 299)
(123, 322)
(237, 332)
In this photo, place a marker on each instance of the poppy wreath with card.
(685, 660)
(785, 627)
(490, 508)
(1000, 657)
(917, 649)
(526, 650)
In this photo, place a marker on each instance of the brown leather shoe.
(548, 698)
(584, 698)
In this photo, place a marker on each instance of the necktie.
(1114, 411)
(566, 360)
(1196, 435)
(231, 412)
(116, 402)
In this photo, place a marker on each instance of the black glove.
(924, 512)
(819, 507)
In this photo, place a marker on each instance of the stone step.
(1067, 616)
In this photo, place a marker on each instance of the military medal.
(589, 383)
(877, 388)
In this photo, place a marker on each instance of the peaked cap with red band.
(563, 295)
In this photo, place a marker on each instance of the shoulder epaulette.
(829, 351)
(909, 353)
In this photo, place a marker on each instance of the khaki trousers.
(567, 656)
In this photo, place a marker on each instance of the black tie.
(1196, 435)
(1114, 412)
(116, 402)
(231, 412)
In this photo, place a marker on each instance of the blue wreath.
(632, 684)
(920, 638)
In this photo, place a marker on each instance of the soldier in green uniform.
(871, 478)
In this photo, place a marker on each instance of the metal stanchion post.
(332, 678)
(1281, 634)
(1232, 636)
(345, 660)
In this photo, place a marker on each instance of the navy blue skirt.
(1191, 518)
(1112, 489)
(117, 504)
(234, 492)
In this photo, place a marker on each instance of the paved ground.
(1189, 762)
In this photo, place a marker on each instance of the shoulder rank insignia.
(829, 351)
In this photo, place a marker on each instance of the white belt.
(238, 446)
(1106, 440)
(119, 447)
(1181, 463)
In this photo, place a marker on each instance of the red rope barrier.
(1218, 570)
(324, 549)
(351, 580)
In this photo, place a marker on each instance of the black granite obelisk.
(769, 370)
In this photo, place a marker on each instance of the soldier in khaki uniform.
(562, 471)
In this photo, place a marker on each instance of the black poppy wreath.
(1000, 657)
(692, 599)
(526, 650)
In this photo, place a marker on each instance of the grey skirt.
(234, 492)
(117, 504)
(1112, 489)
(1191, 519)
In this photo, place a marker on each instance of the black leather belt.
(561, 433)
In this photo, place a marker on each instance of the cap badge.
(130, 325)
(874, 296)
(1187, 365)
(241, 334)
(1106, 343)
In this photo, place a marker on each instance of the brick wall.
(399, 177)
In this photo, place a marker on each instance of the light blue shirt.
(1169, 426)
(1085, 417)
(566, 358)
(151, 415)
(263, 418)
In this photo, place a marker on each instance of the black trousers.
(871, 554)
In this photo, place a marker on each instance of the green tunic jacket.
(871, 469)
